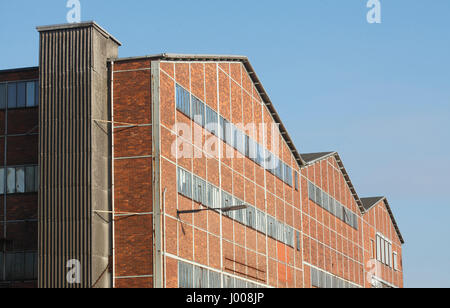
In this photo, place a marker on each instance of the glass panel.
(11, 181)
(12, 95)
(20, 180)
(29, 265)
(36, 91)
(2, 181)
(214, 280)
(36, 178)
(31, 95)
(1, 263)
(3, 96)
(185, 274)
(29, 179)
(21, 95)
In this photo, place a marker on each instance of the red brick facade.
(18, 212)
(321, 241)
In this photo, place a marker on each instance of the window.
(312, 192)
(339, 210)
(298, 241)
(21, 95)
(19, 265)
(395, 261)
(378, 248)
(200, 278)
(314, 277)
(289, 236)
(198, 111)
(228, 282)
(184, 183)
(239, 215)
(183, 101)
(199, 190)
(239, 141)
(185, 275)
(287, 174)
(11, 180)
(250, 148)
(226, 134)
(12, 95)
(296, 180)
(20, 180)
(271, 227)
(325, 200)
(318, 196)
(31, 179)
(213, 196)
(214, 280)
(3, 95)
(281, 232)
(251, 217)
(355, 221)
(260, 153)
(211, 121)
(31, 94)
(227, 201)
(387, 257)
(261, 223)
(331, 206)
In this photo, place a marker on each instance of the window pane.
(185, 275)
(3, 96)
(200, 278)
(2, 181)
(378, 248)
(214, 280)
(36, 178)
(311, 191)
(12, 95)
(29, 179)
(31, 95)
(198, 111)
(11, 181)
(318, 196)
(36, 91)
(183, 101)
(20, 180)
(21, 95)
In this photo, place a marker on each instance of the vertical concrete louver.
(75, 152)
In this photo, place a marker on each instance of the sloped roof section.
(312, 158)
(369, 203)
(372, 202)
(245, 61)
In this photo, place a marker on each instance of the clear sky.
(379, 94)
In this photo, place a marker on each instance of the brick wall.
(199, 238)
(133, 175)
(18, 212)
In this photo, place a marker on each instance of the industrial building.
(171, 171)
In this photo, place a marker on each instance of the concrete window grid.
(194, 145)
(317, 222)
(228, 132)
(27, 85)
(284, 232)
(381, 218)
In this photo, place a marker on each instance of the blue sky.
(379, 94)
